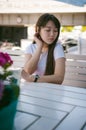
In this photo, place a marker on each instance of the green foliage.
(83, 28)
(9, 90)
(67, 29)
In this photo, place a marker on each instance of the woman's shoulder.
(59, 45)
(59, 51)
(30, 48)
(31, 45)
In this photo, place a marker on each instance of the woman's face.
(49, 32)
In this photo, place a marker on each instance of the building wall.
(15, 27)
(26, 19)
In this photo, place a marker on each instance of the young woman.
(45, 61)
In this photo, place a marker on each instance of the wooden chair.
(75, 74)
(82, 46)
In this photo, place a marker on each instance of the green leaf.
(16, 91)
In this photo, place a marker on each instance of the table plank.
(52, 107)
(44, 124)
(46, 103)
(74, 121)
(50, 90)
(41, 111)
(59, 98)
(55, 87)
(23, 120)
(84, 127)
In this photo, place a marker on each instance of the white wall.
(26, 19)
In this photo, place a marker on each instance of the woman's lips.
(51, 39)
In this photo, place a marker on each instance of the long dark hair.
(42, 21)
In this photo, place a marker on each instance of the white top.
(58, 53)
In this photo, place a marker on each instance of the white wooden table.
(44, 106)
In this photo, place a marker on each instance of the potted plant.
(9, 93)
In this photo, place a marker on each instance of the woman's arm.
(56, 78)
(32, 60)
(58, 75)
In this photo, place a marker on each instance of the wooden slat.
(76, 63)
(77, 56)
(82, 45)
(84, 127)
(44, 124)
(56, 98)
(23, 120)
(77, 116)
(51, 107)
(75, 74)
(76, 70)
(55, 89)
(41, 111)
(75, 83)
(46, 103)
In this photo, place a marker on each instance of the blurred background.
(18, 18)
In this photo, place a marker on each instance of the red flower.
(9, 90)
(5, 60)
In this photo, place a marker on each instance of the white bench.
(82, 45)
(75, 74)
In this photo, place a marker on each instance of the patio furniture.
(75, 74)
(45, 106)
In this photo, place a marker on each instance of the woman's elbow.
(60, 80)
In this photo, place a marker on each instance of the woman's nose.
(52, 33)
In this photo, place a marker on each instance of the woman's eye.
(48, 30)
(55, 31)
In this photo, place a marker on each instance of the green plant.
(9, 90)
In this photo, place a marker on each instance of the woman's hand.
(38, 40)
(26, 76)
